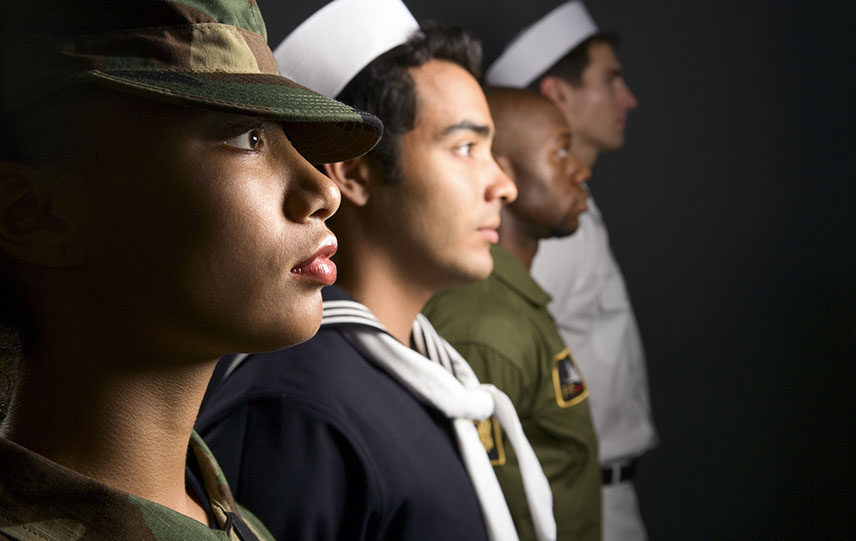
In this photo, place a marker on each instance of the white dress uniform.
(592, 310)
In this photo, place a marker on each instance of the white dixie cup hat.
(334, 44)
(541, 45)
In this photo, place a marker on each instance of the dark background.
(729, 213)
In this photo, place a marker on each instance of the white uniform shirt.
(592, 310)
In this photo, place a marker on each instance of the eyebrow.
(467, 125)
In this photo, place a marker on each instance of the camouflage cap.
(204, 53)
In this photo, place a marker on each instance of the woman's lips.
(318, 267)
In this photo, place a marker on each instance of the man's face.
(202, 230)
(443, 213)
(550, 180)
(597, 110)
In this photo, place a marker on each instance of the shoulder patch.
(568, 381)
(490, 434)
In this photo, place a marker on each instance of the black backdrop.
(729, 214)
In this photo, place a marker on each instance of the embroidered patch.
(568, 381)
(490, 434)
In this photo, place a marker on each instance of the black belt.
(618, 472)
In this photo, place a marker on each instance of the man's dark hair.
(386, 89)
(571, 66)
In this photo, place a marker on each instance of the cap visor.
(322, 129)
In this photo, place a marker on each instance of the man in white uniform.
(566, 58)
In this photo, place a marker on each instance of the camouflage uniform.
(502, 327)
(208, 54)
(40, 500)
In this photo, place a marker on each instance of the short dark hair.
(386, 89)
(571, 66)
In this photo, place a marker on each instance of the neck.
(374, 279)
(100, 414)
(514, 238)
(584, 151)
(393, 303)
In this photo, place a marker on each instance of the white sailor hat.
(541, 45)
(333, 45)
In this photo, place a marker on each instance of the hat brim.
(322, 129)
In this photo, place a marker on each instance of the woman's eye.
(249, 140)
(563, 152)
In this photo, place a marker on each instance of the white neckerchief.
(438, 376)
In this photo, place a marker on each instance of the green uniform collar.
(511, 272)
(40, 499)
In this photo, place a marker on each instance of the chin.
(615, 143)
(300, 324)
(476, 269)
(307, 326)
(482, 273)
(303, 336)
(286, 338)
(565, 230)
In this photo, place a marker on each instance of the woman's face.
(199, 232)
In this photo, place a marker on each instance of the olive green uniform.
(502, 327)
(39, 499)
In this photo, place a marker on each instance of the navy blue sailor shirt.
(320, 443)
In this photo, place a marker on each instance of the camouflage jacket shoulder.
(41, 500)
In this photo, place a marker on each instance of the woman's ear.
(29, 229)
(352, 177)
